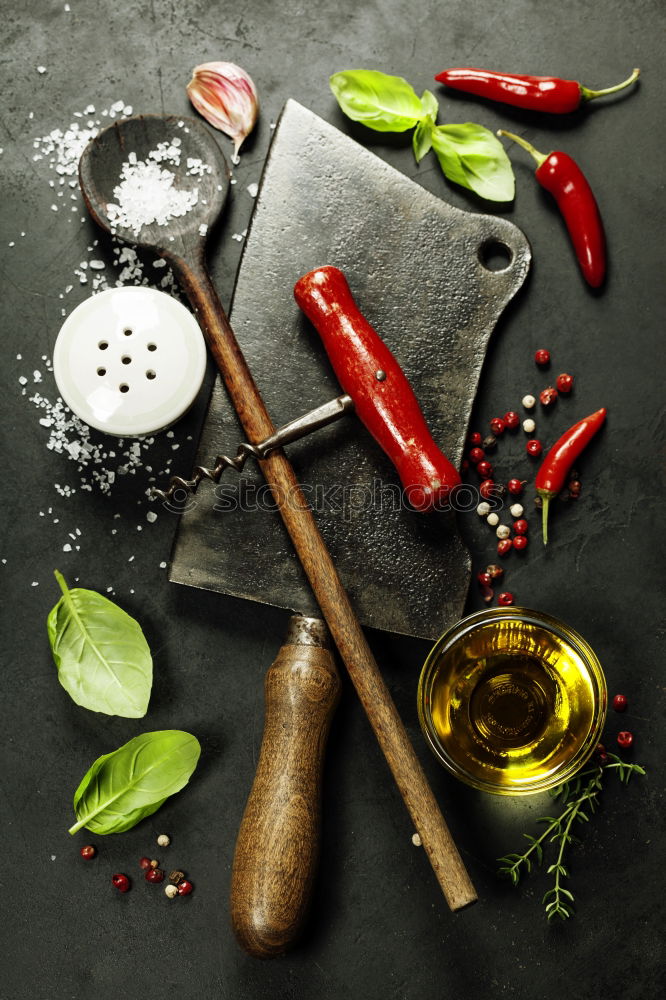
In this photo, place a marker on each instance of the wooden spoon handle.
(329, 592)
(278, 841)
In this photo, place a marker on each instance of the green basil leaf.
(422, 138)
(102, 657)
(430, 105)
(383, 103)
(132, 782)
(472, 156)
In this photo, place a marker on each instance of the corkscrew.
(375, 387)
(293, 431)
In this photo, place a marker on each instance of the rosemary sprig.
(576, 796)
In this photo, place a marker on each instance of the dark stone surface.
(379, 926)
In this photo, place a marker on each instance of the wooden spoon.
(182, 242)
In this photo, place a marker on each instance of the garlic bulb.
(227, 98)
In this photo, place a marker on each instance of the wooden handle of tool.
(278, 841)
(331, 595)
(383, 398)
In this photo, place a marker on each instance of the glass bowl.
(512, 701)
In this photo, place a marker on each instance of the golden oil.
(512, 701)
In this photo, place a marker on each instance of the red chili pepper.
(552, 475)
(559, 174)
(536, 93)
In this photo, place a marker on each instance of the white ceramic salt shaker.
(130, 361)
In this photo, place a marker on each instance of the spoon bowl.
(182, 237)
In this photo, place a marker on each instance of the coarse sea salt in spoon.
(159, 182)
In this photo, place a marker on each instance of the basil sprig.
(469, 154)
(383, 103)
(102, 657)
(123, 787)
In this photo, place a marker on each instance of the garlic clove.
(227, 98)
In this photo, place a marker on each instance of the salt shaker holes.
(135, 344)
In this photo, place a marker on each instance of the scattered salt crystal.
(97, 265)
(12, 244)
(41, 69)
(163, 565)
(36, 376)
(67, 8)
(67, 547)
(131, 559)
(151, 516)
(35, 583)
(203, 229)
(237, 236)
(23, 380)
(252, 190)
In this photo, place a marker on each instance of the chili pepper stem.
(546, 496)
(590, 95)
(539, 157)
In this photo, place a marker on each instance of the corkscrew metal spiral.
(309, 422)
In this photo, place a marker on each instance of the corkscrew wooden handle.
(278, 842)
(383, 398)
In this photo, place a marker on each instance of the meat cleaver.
(420, 270)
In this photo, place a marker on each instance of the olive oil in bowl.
(512, 701)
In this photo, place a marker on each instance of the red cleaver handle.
(383, 398)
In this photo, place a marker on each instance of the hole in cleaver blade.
(433, 280)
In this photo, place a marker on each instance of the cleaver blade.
(415, 265)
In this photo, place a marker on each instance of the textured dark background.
(379, 926)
